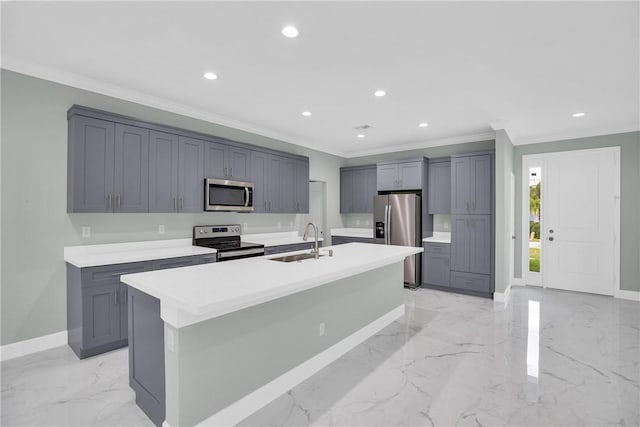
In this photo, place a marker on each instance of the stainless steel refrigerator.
(397, 220)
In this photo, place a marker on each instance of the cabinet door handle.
(265, 205)
(109, 201)
(126, 295)
(175, 204)
(473, 206)
(467, 206)
(117, 201)
(269, 205)
(231, 172)
(115, 297)
(226, 172)
(181, 203)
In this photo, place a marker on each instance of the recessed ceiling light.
(290, 31)
(210, 76)
(423, 125)
(306, 113)
(379, 93)
(360, 135)
(578, 114)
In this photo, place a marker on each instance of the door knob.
(551, 239)
(551, 231)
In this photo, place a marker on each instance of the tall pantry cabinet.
(472, 222)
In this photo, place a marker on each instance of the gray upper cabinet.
(91, 165)
(301, 197)
(190, 175)
(227, 162)
(400, 175)
(358, 186)
(471, 243)
(163, 172)
(108, 166)
(176, 173)
(121, 164)
(131, 179)
(439, 187)
(281, 184)
(471, 184)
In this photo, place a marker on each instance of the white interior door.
(579, 207)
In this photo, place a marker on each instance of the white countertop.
(277, 239)
(120, 253)
(192, 294)
(438, 237)
(366, 233)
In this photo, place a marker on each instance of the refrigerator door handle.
(386, 224)
(388, 231)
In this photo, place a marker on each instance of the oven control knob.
(236, 229)
(201, 231)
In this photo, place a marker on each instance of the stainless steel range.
(226, 240)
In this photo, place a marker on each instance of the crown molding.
(562, 136)
(424, 144)
(85, 83)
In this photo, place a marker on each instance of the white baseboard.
(517, 281)
(630, 295)
(502, 296)
(242, 408)
(34, 345)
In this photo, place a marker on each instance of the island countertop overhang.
(193, 294)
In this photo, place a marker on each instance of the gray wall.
(629, 144)
(35, 224)
(503, 241)
(218, 361)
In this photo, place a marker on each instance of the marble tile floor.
(546, 358)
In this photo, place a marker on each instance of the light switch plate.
(86, 232)
(160, 228)
(321, 329)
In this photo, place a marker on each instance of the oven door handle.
(246, 197)
(223, 255)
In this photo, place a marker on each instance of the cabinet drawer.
(111, 273)
(185, 261)
(437, 248)
(471, 281)
(271, 250)
(207, 259)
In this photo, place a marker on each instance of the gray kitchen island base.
(219, 371)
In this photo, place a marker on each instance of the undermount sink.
(291, 258)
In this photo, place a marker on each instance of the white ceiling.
(464, 67)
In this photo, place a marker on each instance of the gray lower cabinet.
(471, 250)
(146, 354)
(401, 174)
(97, 302)
(439, 187)
(358, 186)
(341, 240)
(436, 264)
(271, 250)
(96, 307)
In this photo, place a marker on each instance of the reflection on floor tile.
(546, 358)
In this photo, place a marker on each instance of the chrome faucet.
(315, 251)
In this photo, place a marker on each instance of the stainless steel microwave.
(225, 195)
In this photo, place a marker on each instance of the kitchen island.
(211, 344)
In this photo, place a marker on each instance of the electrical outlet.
(245, 227)
(321, 329)
(446, 225)
(160, 228)
(86, 232)
(357, 222)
